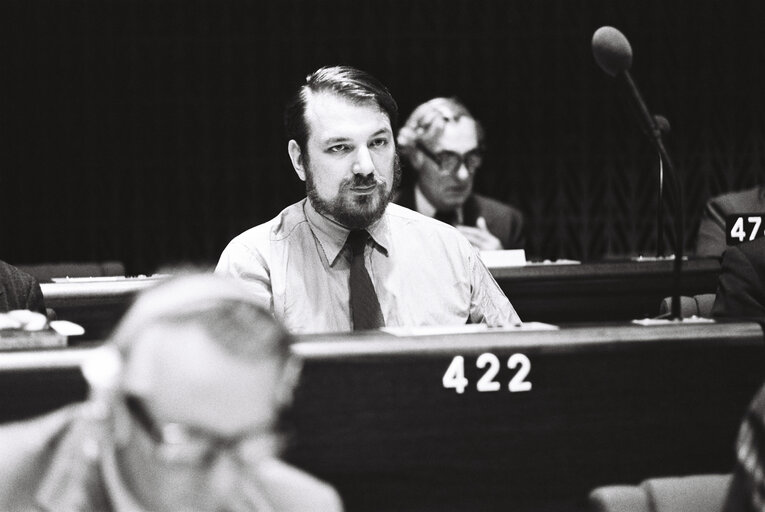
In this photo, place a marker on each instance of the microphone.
(613, 53)
(611, 50)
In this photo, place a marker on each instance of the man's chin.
(362, 212)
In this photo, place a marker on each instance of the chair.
(699, 305)
(697, 493)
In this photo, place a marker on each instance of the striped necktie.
(365, 308)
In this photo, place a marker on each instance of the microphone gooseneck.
(613, 53)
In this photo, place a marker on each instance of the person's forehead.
(460, 135)
(186, 377)
(330, 116)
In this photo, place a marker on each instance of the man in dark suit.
(443, 143)
(19, 290)
(711, 240)
(741, 287)
(741, 294)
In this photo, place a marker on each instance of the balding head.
(220, 306)
(202, 377)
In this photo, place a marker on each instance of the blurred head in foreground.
(193, 398)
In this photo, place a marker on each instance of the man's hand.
(480, 237)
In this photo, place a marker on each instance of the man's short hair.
(220, 306)
(348, 82)
(426, 123)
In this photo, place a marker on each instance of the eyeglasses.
(450, 162)
(183, 444)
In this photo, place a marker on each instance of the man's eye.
(377, 143)
(339, 148)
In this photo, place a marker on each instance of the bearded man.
(345, 258)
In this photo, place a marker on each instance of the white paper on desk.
(509, 258)
(647, 322)
(99, 279)
(435, 330)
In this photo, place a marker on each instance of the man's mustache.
(363, 181)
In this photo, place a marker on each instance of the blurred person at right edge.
(741, 294)
(711, 239)
(444, 144)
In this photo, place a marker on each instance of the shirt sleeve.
(251, 267)
(488, 303)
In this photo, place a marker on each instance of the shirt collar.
(332, 235)
(425, 207)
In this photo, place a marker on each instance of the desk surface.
(598, 292)
(594, 292)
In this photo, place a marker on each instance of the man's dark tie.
(448, 216)
(365, 308)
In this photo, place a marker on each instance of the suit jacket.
(19, 290)
(503, 221)
(711, 237)
(52, 464)
(741, 286)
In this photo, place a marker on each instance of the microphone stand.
(654, 133)
(663, 125)
(660, 212)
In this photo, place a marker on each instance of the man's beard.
(355, 211)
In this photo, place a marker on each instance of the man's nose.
(364, 164)
(462, 173)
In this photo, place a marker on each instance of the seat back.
(697, 493)
(698, 305)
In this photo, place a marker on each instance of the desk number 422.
(454, 377)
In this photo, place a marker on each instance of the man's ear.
(296, 156)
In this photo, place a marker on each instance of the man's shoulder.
(25, 449)
(33, 435)
(420, 231)
(291, 489)
(493, 205)
(9, 273)
(278, 228)
(400, 216)
(741, 201)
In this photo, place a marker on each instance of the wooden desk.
(97, 304)
(607, 405)
(33, 382)
(595, 292)
(600, 292)
(371, 415)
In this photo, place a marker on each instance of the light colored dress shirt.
(424, 271)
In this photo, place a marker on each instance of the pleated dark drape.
(150, 132)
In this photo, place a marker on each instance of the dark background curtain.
(151, 132)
